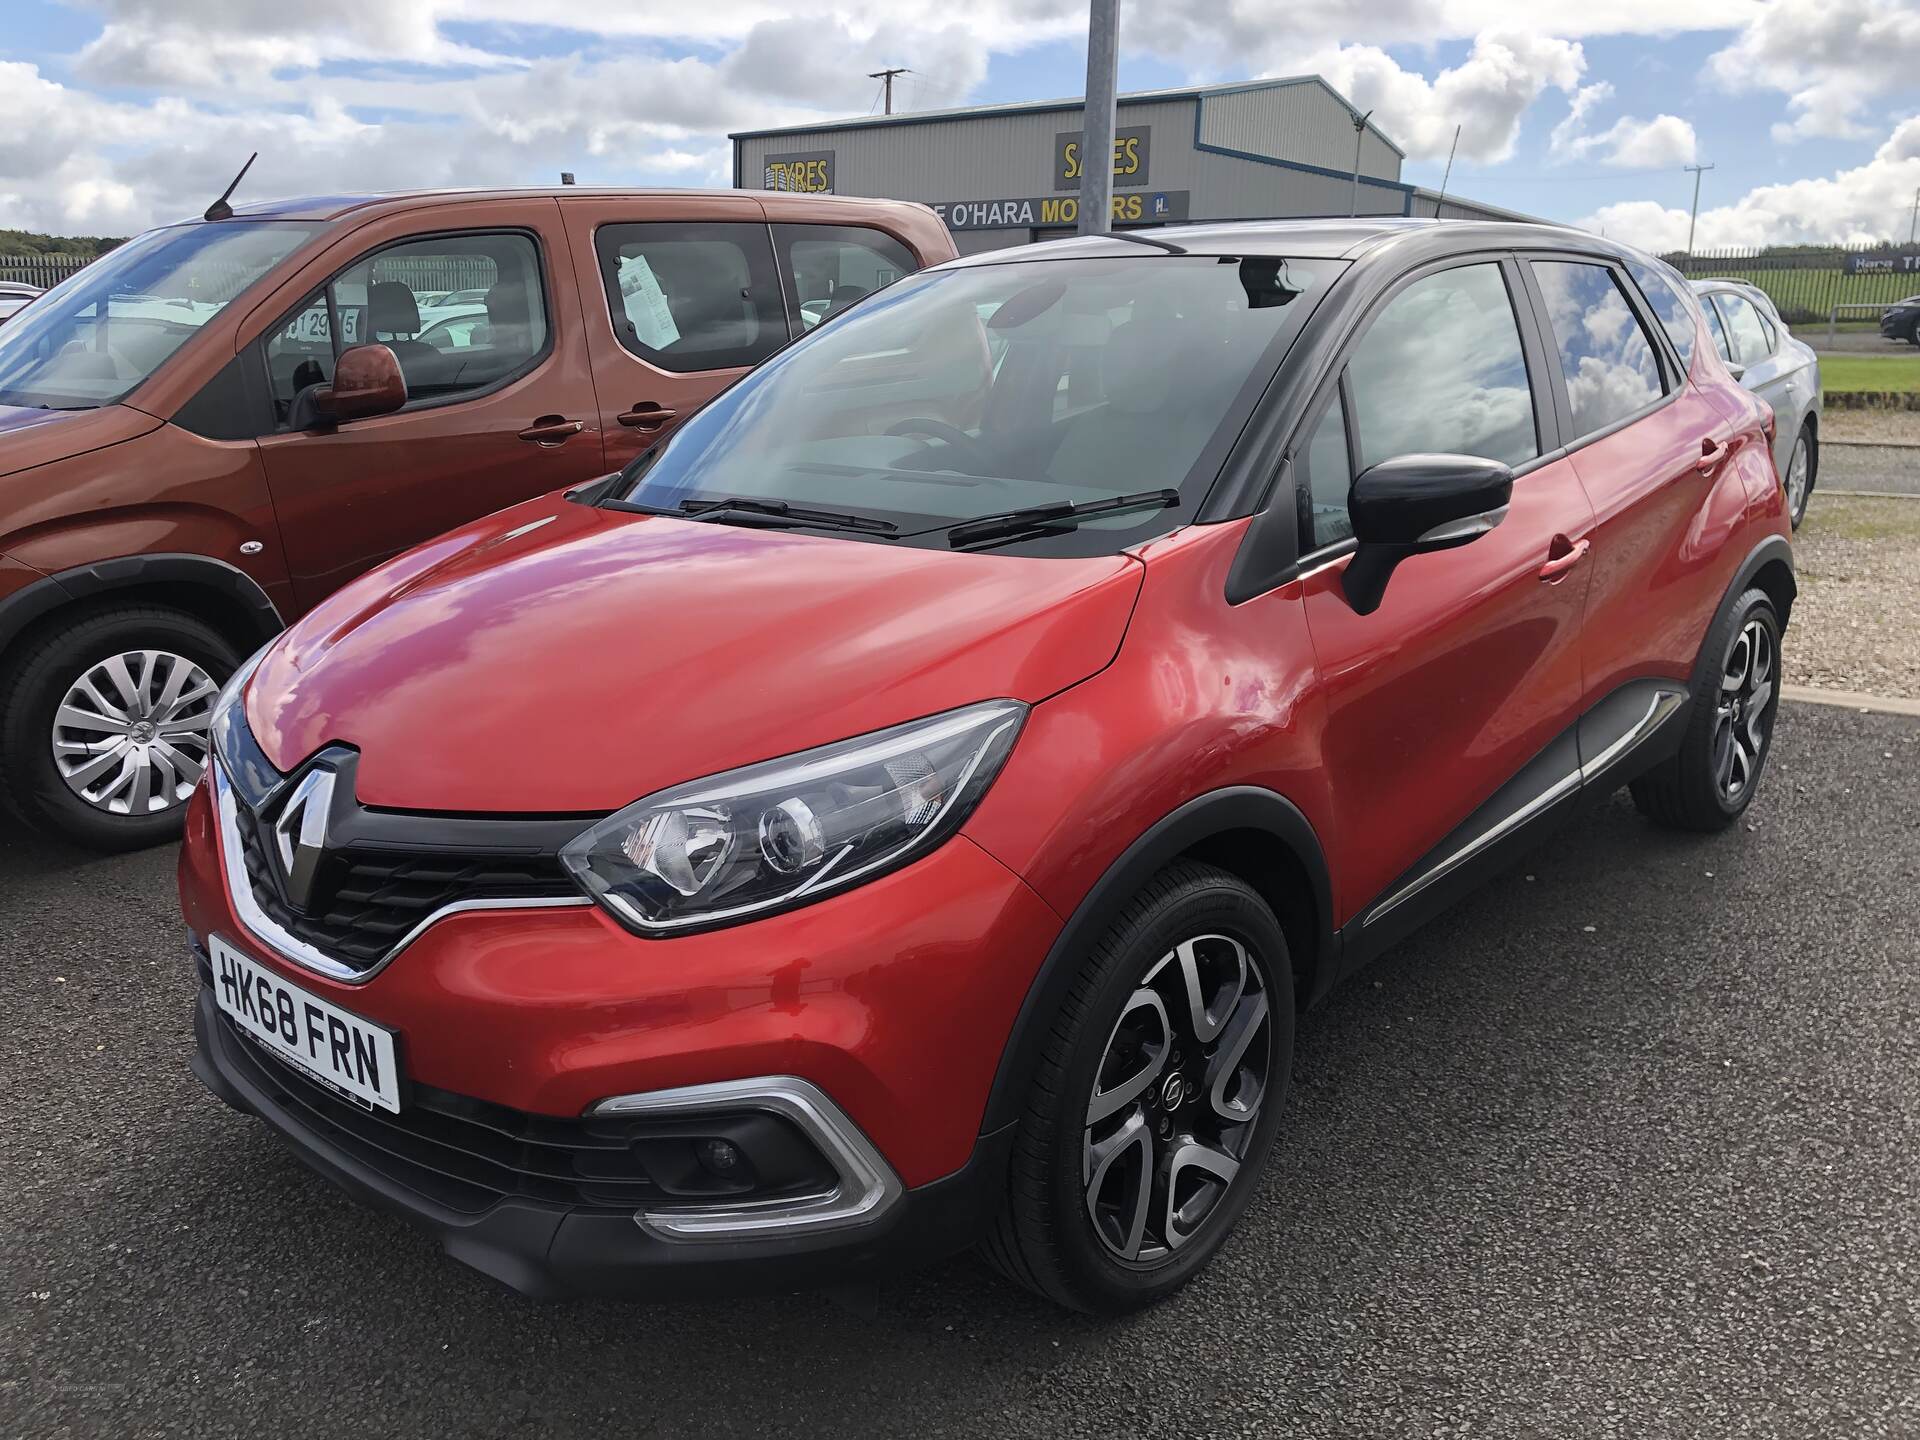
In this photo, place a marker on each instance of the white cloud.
(1665, 140)
(1485, 95)
(1868, 202)
(1832, 58)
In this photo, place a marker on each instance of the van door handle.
(552, 430)
(1712, 452)
(645, 416)
(1559, 565)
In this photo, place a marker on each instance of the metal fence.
(46, 271)
(1804, 283)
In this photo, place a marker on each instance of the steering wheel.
(964, 446)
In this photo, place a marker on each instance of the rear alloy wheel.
(1156, 1098)
(104, 725)
(1735, 696)
(1799, 480)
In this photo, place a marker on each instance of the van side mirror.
(1416, 503)
(366, 381)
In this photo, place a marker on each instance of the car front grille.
(369, 900)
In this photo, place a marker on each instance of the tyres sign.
(805, 172)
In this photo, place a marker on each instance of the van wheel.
(1711, 781)
(1155, 1101)
(104, 725)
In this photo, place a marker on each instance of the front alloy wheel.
(1155, 1097)
(1176, 1097)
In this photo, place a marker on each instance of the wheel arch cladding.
(1254, 833)
(210, 590)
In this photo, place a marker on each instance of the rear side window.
(1749, 336)
(1441, 369)
(1676, 316)
(408, 297)
(693, 296)
(828, 267)
(1606, 359)
(1718, 330)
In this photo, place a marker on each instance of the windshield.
(96, 335)
(963, 393)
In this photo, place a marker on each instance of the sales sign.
(1130, 149)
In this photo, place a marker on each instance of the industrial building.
(1008, 174)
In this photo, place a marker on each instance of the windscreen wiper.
(1060, 515)
(778, 512)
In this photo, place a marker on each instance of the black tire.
(1044, 1237)
(1690, 791)
(39, 677)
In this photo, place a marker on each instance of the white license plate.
(333, 1045)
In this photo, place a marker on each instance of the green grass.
(1805, 296)
(1870, 372)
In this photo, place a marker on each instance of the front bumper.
(553, 1250)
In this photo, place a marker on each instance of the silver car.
(1785, 372)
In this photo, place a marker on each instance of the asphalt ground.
(1877, 469)
(1627, 1144)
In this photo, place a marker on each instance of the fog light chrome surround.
(865, 1189)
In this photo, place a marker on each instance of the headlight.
(239, 754)
(788, 831)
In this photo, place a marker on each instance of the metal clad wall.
(1303, 122)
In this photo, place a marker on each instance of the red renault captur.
(909, 807)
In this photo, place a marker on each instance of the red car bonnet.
(559, 659)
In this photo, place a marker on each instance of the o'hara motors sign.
(805, 172)
(1048, 212)
(1898, 262)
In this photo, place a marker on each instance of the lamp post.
(1096, 126)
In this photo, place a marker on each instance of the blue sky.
(116, 113)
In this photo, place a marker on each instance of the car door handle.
(552, 429)
(1559, 565)
(1712, 452)
(646, 417)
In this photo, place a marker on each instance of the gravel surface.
(1856, 625)
(1626, 1145)
(1900, 427)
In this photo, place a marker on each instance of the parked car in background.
(212, 428)
(14, 295)
(1764, 356)
(1901, 320)
(909, 807)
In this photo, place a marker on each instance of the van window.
(1441, 370)
(828, 267)
(409, 297)
(1606, 359)
(693, 296)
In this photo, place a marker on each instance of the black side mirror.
(1416, 503)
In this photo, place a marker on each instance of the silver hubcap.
(131, 737)
(1176, 1098)
(1745, 711)
(1797, 478)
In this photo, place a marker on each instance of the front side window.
(1441, 370)
(1676, 315)
(1749, 337)
(1606, 359)
(409, 297)
(956, 394)
(692, 296)
(828, 267)
(98, 334)
(1328, 478)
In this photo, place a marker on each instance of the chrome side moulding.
(262, 930)
(1662, 704)
(865, 1190)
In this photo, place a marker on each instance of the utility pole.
(1913, 225)
(1694, 218)
(1441, 203)
(885, 77)
(1359, 134)
(1096, 126)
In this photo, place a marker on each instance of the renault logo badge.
(300, 836)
